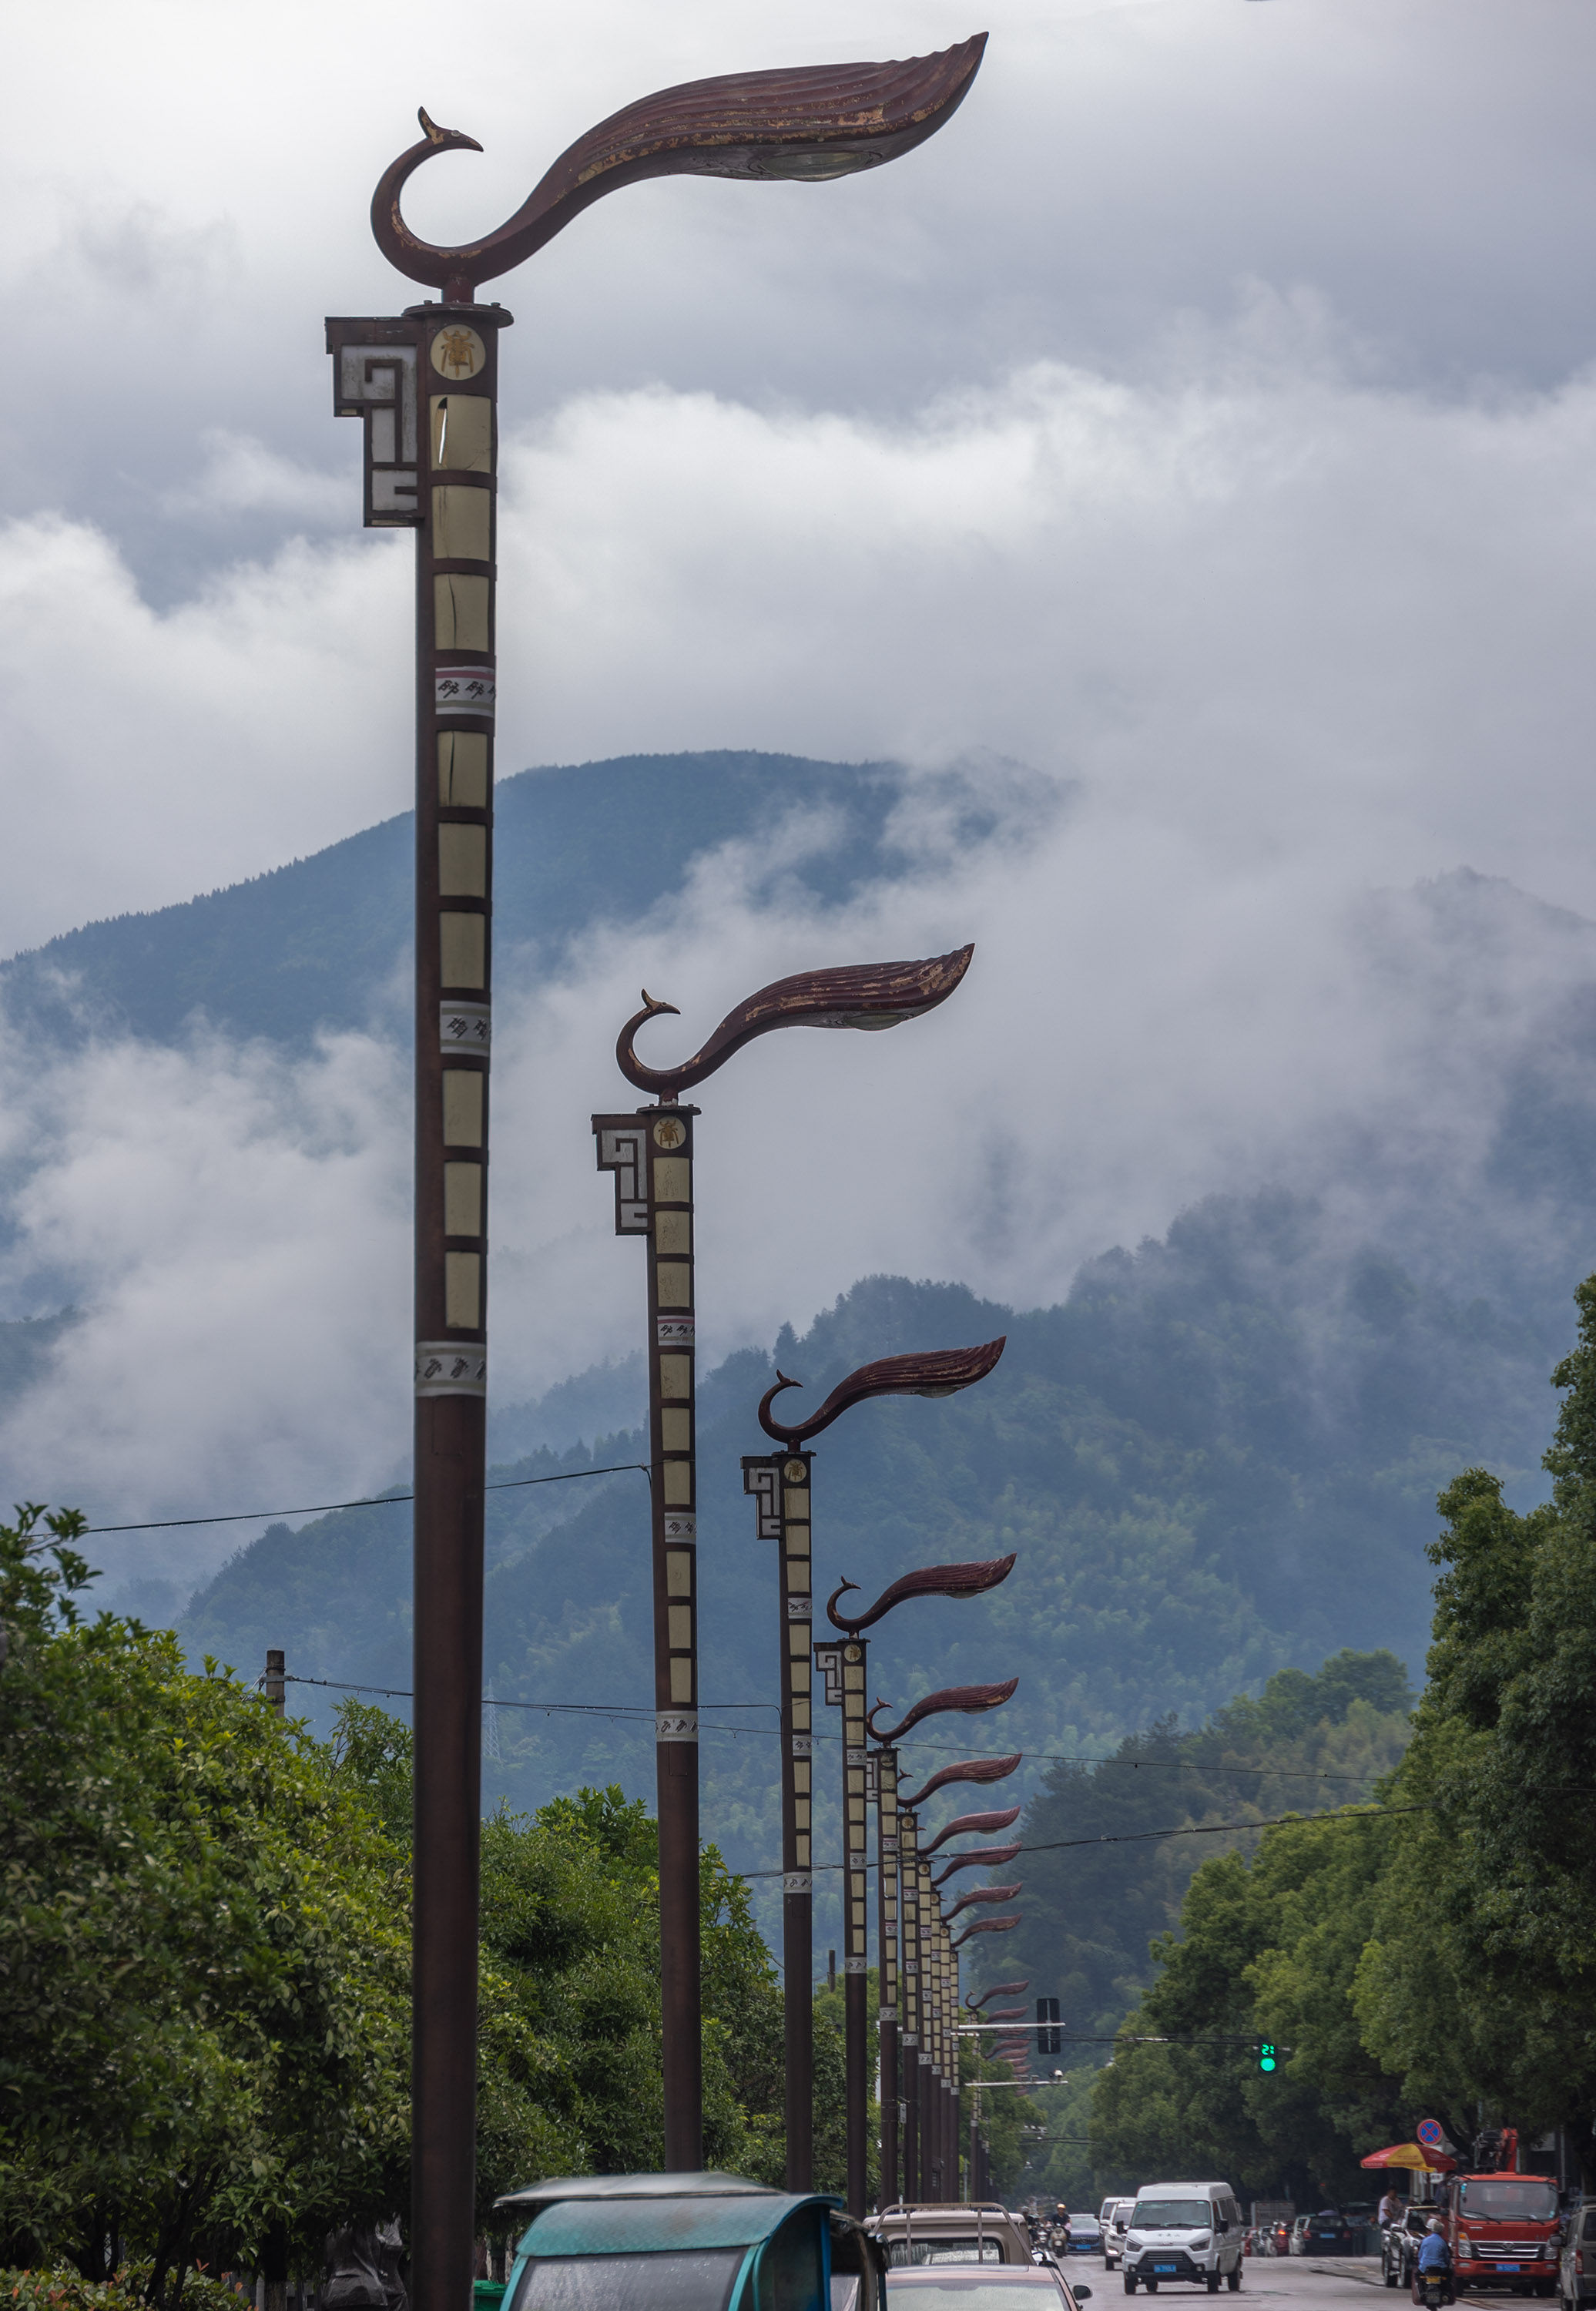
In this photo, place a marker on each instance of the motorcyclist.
(1434, 2258)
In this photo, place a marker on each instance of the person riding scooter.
(1434, 2264)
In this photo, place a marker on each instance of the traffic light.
(1048, 2041)
(1266, 2055)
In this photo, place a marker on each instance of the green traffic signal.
(1266, 2056)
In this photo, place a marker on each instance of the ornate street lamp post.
(939, 1373)
(928, 2002)
(650, 1154)
(425, 383)
(915, 2054)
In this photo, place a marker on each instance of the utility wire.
(373, 1501)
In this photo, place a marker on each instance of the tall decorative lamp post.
(425, 383)
(650, 1154)
(940, 1374)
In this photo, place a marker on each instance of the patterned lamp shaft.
(913, 2040)
(650, 1154)
(425, 382)
(883, 1769)
(779, 1484)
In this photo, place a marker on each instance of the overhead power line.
(373, 1500)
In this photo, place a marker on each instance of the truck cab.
(1502, 2227)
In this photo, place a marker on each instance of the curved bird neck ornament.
(979, 1857)
(866, 995)
(930, 1581)
(978, 1894)
(969, 1700)
(978, 1998)
(986, 1926)
(808, 125)
(942, 1373)
(972, 1769)
(979, 1825)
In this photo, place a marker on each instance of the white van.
(1183, 2231)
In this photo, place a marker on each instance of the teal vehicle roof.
(658, 2224)
(700, 2184)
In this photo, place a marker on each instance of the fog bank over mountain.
(223, 1200)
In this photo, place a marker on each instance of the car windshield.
(1172, 2215)
(1524, 2196)
(697, 2279)
(944, 2247)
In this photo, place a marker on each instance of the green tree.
(202, 1961)
(1266, 1950)
(1477, 1982)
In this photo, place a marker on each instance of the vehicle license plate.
(1509, 2266)
(1163, 2266)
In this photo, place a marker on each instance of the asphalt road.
(1292, 2283)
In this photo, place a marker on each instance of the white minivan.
(1183, 2231)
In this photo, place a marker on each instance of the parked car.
(1113, 2231)
(937, 2232)
(995, 2286)
(611, 2242)
(1398, 2246)
(1576, 2264)
(1325, 2233)
(1183, 2231)
(1084, 2236)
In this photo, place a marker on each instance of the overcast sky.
(1205, 422)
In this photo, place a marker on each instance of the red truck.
(1502, 2227)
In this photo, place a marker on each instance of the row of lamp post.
(425, 384)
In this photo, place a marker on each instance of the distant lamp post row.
(931, 2066)
(650, 1154)
(783, 1482)
(425, 384)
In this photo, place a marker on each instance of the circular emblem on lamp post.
(669, 1132)
(851, 1654)
(458, 352)
(794, 1473)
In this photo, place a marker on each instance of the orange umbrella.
(1412, 2154)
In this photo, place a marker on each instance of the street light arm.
(981, 1857)
(811, 122)
(969, 1700)
(973, 1769)
(942, 1373)
(980, 1894)
(867, 995)
(930, 1581)
(978, 1998)
(986, 1926)
(978, 1825)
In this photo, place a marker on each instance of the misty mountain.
(326, 942)
(1217, 1459)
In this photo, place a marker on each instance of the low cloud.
(1262, 641)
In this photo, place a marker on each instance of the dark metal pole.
(885, 1762)
(650, 1154)
(856, 1885)
(455, 698)
(425, 383)
(273, 1683)
(780, 1483)
(914, 2009)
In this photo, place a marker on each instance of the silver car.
(1576, 2262)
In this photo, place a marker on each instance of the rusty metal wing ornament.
(981, 1894)
(978, 1998)
(857, 995)
(973, 1769)
(983, 1857)
(969, 1700)
(930, 1581)
(1007, 2014)
(807, 124)
(980, 1825)
(986, 1926)
(942, 1373)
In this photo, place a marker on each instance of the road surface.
(1330, 2282)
